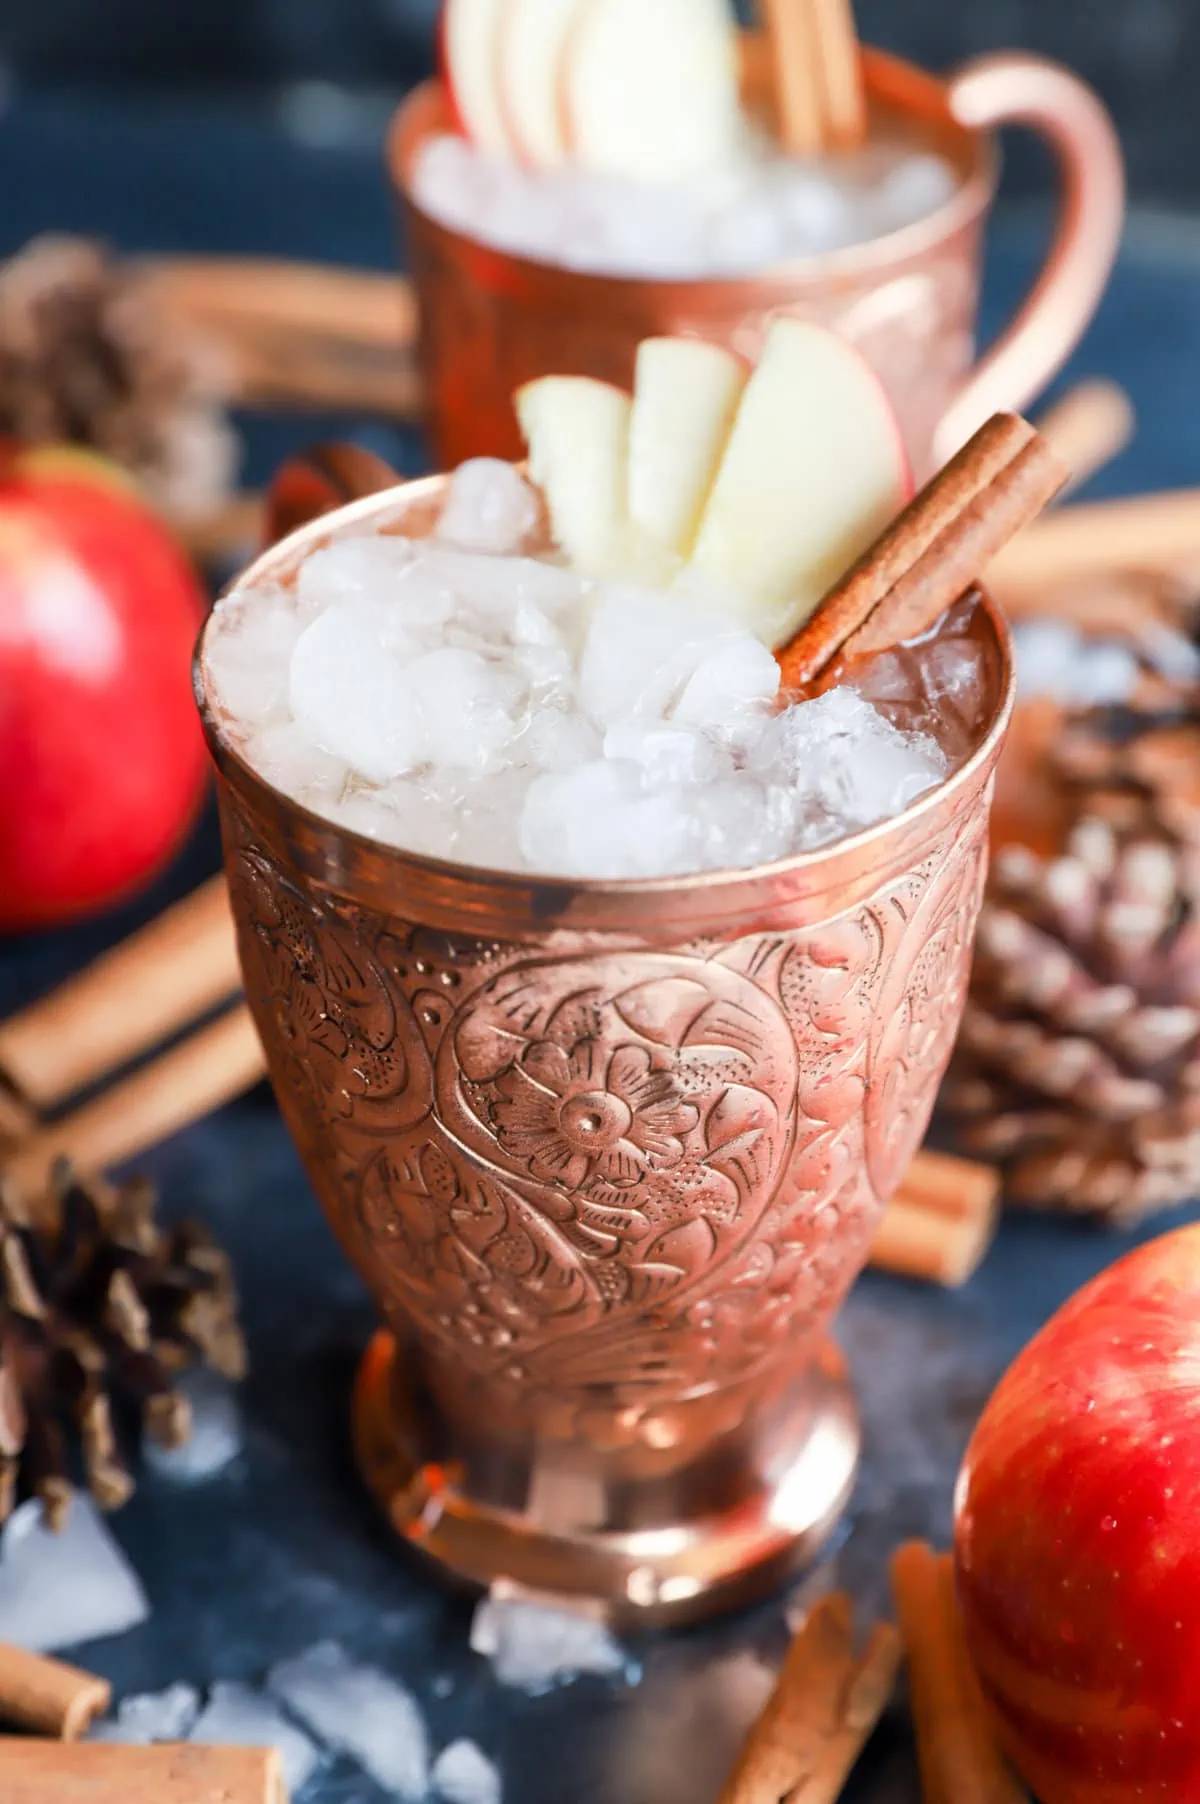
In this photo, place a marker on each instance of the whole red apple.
(1078, 1539)
(101, 759)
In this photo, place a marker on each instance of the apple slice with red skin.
(533, 40)
(469, 54)
(651, 87)
(814, 469)
(1078, 1539)
(685, 397)
(577, 431)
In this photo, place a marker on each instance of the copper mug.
(608, 1156)
(490, 320)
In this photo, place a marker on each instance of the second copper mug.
(608, 1155)
(491, 320)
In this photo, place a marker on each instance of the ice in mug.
(469, 697)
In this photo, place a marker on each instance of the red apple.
(1078, 1540)
(101, 759)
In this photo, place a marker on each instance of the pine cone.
(100, 1309)
(86, 358)
(1078, 1067)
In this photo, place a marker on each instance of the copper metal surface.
(609, 1157)
(491, 320)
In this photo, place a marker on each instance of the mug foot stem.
(680, 1571)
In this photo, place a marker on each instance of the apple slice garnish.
(577, 431)
(814, 469)
(651, 87)
(533, 39)
(685, 397)
(470, 53)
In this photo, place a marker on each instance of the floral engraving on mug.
(612, 1183)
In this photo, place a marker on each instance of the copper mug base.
(571, 1541)
(609, 1157)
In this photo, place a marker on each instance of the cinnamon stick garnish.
(176, 969)
(941, 1222)
(960, 1761)
(49, 1772)
(819, 1717)
(1088, 427)
(209, 1068)
(47, 1696)
(933, 552)
(817, 72)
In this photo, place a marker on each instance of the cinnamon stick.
(1088, 427)
(826, 1703)
(959, 1759)
(933, 552)
(179, 967)
(816, 66)
(941, 1222)
(210, 1068)
(48, 1696)
(1143, 532)
(49, 1772)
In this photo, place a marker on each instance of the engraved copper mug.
(491, 320)
(608, 1156)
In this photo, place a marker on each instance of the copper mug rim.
(475, 898)
(894, 86)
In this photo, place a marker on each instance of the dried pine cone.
(86, 358)
(100, 1310)
(1078, 1066)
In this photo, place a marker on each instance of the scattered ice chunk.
(489, 507)
(462, 1774)
(59, 1590)
(238, 1716)
(216, 1437)
(1055, 659)
(361, 1712)
(533, 1646)
(153, 1716)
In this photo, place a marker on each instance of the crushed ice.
(495, 709)
(153, 1716)
(463, 1774)
(534, 1647)
(760, 210)
(238, 1716)
(57, 1590)
(359, 1711)
(216, 1434)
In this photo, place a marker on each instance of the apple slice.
(470, 50)
(684, 401)
(651, 87)
(577, 432)
(815, 468)
(533, 39)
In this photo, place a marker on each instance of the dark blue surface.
(283, 1549)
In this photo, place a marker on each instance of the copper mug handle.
(1010, 88)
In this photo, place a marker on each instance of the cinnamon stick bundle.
(210, 1068)
(941, 1222)
(960, 1761)
(1088, 427)
(933, 552)
(179, 967)
(55, 1772)
(817, 75)
(819, 1717)
(47, 1696)
(1158, 532)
